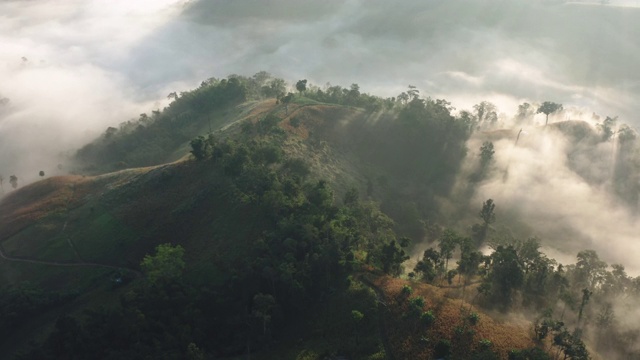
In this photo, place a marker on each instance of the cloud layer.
(59, 70)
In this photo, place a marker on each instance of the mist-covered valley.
(411, 116)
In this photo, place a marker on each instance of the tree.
(353, 94)
(166, 265)
(586, 295)
(276, 88)
(356, 317)
(486, 154)
(547, 108)
(201, 148)
(487, 214)
(13, 180)
(525, 112)
(1, 181)
(447, 244)
(301, 86)
(413, 92)
(194, 352)
(468, 119)
(506, 275)
(486, 113)
(590, 271)
(442, 349)
(469, 260)
(428, 266)
(571, 345)
(392, 258)
(351, 197)
(286, 100)
(41, 173)
(263, 305)
(403, 98)
(608, 127)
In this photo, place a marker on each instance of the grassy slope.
(413, 341)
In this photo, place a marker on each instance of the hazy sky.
(60, 66)
(73, 67)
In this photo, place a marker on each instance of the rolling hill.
(277, 228)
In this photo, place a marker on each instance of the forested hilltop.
(250, 219)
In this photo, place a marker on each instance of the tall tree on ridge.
(547, 108)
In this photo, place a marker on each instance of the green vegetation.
(153, 139)
(165, 266)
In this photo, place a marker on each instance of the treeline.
(335, 94)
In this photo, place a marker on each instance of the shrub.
(417, 301)
(485, 344)
(427, 318)
(442, 349)
(415, 308)
(473, 318)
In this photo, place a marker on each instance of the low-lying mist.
(560, 188)
(61, 79)
(72, 68)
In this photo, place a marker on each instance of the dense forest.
(239, 237)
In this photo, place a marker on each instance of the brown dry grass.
(315, 117)
(405, 334)
(29, 204)
(259, 111)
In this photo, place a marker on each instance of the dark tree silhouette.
(487, 213)
(486, 113)
(486, 154)
(301, 85)
(13, 180)
(286, 100)
(547, 108)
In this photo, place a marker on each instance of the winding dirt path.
(61, 263)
